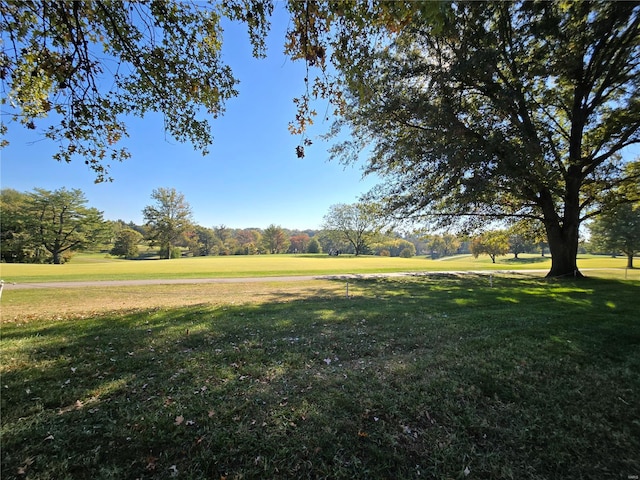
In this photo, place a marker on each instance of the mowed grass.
(96, 267)
(433, 376)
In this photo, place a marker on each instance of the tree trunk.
(563, 245)
(630, 260)
(57, 258)
(562, 236)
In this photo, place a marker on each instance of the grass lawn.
(99, 267)
(439, 376)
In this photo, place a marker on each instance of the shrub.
(407, 253)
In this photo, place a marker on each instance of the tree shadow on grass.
(401, 379)
(525, 260)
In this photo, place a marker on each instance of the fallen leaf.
(179, 420)
(151, 463)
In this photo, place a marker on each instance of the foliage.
(44, 226)
(314, 246)
(356, 224)
(518, 243)
(499, 110)
(15, 239)
(495, 109)
(531, 232)
(201, 241)
(408, 252)
(427, 377)
(618, 230)
(492, 243)
(59, 222)
(249, 241)
(168, 219)
(274, 239)
(299, 243)
(393, 246)
(126, 243)
(87, 65)
(442, 245)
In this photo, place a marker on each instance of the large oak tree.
(503, 110)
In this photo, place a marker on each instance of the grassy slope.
(428, 377)
(96, 268)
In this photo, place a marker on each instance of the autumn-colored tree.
(492, 243)
(249, 241)
(299, 243)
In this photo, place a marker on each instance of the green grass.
(426, 377)
(96, 267)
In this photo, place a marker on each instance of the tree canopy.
(492, 243)
(503, 110)
(59, 221)
(89, 64)
(168, 219)
(274, 239)
(617, 231)
(356, 224)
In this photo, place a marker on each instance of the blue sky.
(250, 178)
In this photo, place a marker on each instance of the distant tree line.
(49, 226)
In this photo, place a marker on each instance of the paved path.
(290, 278)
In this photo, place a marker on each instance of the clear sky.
(251, 177)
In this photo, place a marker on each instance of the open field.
(93, 267)
(431, 376)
